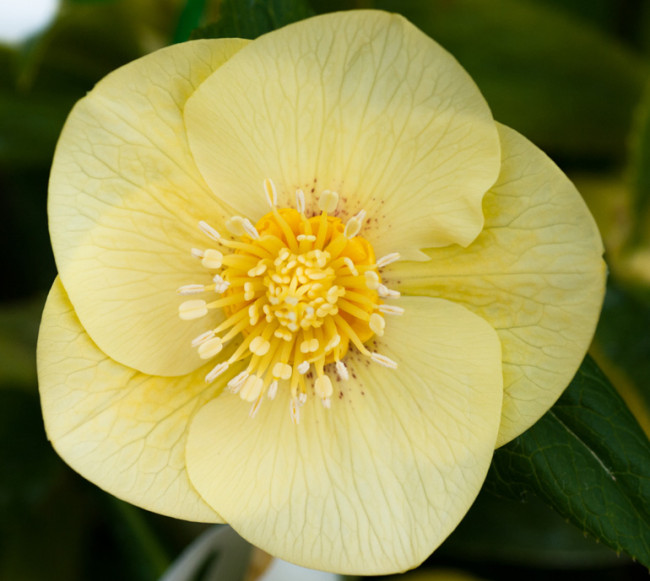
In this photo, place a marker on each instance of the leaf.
(251, 18)
(565, 85)
(639, 171)
(589, 460)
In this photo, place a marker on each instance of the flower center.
(298, 290)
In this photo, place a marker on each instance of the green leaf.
(565, 85)
(251, 18)
(588, 459)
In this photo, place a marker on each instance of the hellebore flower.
(378, 284)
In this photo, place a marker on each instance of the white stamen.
(390, 310)
(210, 348)
(216, 372)
(350, 265)
(202, 338)
(302, 398)
(388, 259)
(353, 227)
(258, 269)
(377, 324)
(309, 237)
(239, 226)
(386, 293)
(259, 346)
(383, 360)
(333, 342)
(192, 310)
(191, 289)
(197, 253)
(303, 367)
(327, 403)
(208, 230)
(372, 279)
(271, 192)
(220, 285)
(342, 370)
(323, 386)
(252, 388)
(300, 202)
(212, 258)
(328, 201)
(273, 389)
(281, 370)
(236, 382)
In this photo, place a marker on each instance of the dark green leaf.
(567, 86)
(639, 170)
(251, 18)
(588, 459)
(190, 19)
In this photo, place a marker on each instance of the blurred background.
(572, 75)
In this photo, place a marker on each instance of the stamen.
(273, 389)
(252, 388)
(323, 387)
(236, 382)
(197, 253)
(191, 289)
(259, 346)
(383, 360)
(377, 324)
(350, 265)
(303, 367)
(202, 338)
(220, 285)
(208, 349)
(208, 230)
(212, 258)
(271, 193)
(353, 227)
(192, 310)
(342, 370)
(372, 279)
(386, 293)
(328, 201)
(216, 372)
(300, 202)
(388, 259)
(239, 226)
(390, 310)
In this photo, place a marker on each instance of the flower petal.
(535, 273)
(122, 430)
(377, 482)
(125, 200)
(360, 102)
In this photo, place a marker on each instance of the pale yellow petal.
(120, 429)
(376, 483)
(361, 103)
(535, 273)
(125, 201)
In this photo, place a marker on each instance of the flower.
(387, 280)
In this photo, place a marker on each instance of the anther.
(383, 360)
(192, 310)
(282, 371)
(348, 262)
(323, 387)
(300, 202)
(328, 201)
(377, 324)
(271, 193)
(303, 367)
(342, 370)
(216, 372)
(210, 348)
(390, 310)
(208, 230)
(212, 258)
(309, 237)
(197, 253)
(236, 382)
(259, 346)
(220, 285)
(202, 338)
(386, 293)
(388, 259)
(252, 388)
(239, 226)
(191, 289)
(372, 279)
(273, 389)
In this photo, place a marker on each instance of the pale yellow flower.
(298, 184)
